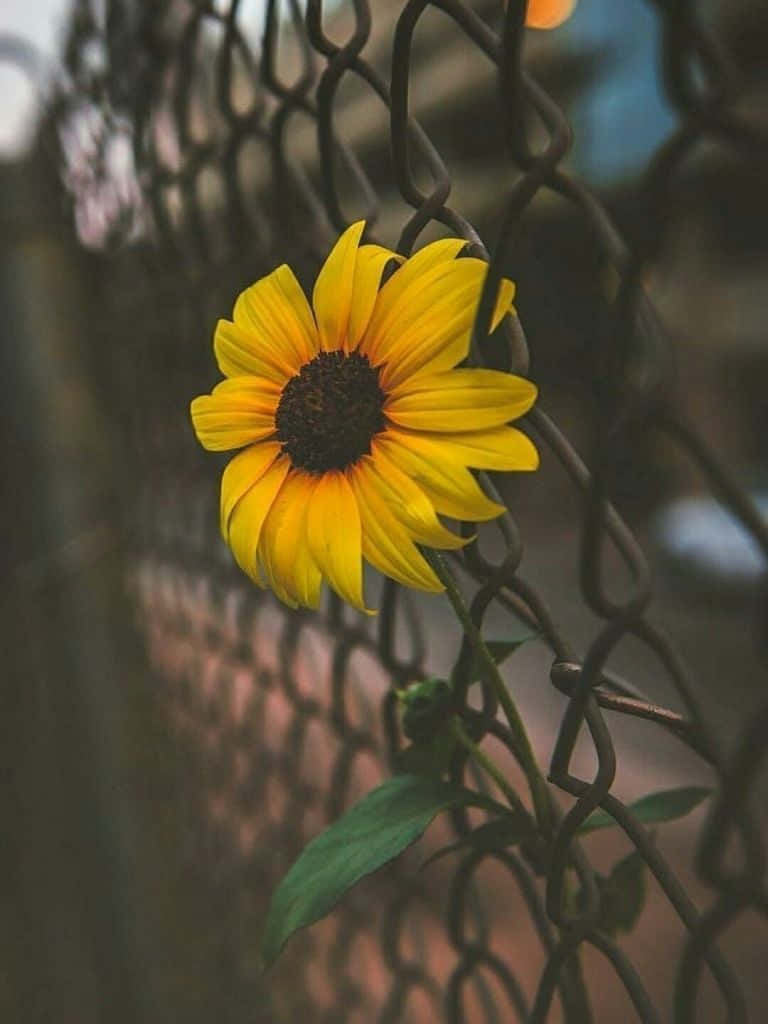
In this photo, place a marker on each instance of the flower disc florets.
(330, 411)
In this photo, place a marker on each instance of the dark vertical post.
(69, 847)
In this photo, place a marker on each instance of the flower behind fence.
(357, 429)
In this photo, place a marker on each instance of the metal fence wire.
(195, 157)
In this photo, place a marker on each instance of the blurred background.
(170, 738)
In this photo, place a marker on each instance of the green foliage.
(622, 894)
(427, 706)
(666, 805)
(430, 757)
(372, 833)
(427, 710)
(499, 650)
(493, 835)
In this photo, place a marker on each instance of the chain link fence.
(195, 156)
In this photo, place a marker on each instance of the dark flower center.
(330, 411)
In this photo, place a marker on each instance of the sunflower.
(355, 427)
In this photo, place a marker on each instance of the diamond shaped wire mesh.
(196, 155)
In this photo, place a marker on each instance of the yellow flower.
(356, 429)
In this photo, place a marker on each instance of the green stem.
(488, 766)
(523, 751)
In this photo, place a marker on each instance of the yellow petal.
(409, 503)
(386, 543)
(249, 514)
(240, 474)
(334, 535)
(371, 261)
(240, 353)
(411, 274)
(257, 387)
(460, 400)
(429, 265)
(284, 554)
(332, 296)
(503, 448)
(444, 479)
(238, 412)
(428, 329)
(274, 312)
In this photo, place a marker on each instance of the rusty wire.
(163, 71)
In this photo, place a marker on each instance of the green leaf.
(369, 835)
(666, 805)
(499, 650)
(493, 835)
(623, 894)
